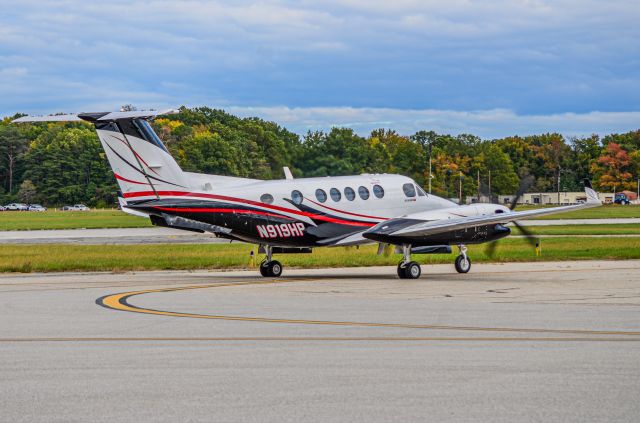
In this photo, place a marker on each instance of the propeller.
(525, 184)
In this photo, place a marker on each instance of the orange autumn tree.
(611, 170)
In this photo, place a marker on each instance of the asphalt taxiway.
(506, 342)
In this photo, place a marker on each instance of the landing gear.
(463, 263)
(408, 269)
(269, 267)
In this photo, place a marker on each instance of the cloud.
(487, 124)
(535, 57)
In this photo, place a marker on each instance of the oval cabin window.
(363, 192)
(321, 195)
(266, 198)
(296, 196)
(335, 194)
(349, 193)
(378, 191)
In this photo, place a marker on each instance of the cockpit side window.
(409, 190)
(421, 192)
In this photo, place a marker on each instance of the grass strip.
(57, 258)
(608, 211)
(606, 229)
(52, 219)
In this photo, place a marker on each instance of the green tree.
(12, 148)
(27, 192)
(66, 164)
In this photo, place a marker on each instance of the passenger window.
(321, 195)
(296, 196)
(266, 198)
(349, 193)
(363, 192)
(335, 194)
(421, 192)
(409, 190)
(378, 191)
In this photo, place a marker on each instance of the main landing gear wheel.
(463, 264)
(271, 268)
(410, 270)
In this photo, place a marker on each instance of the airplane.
(294, 215)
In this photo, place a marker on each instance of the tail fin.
(592, 195)
(140, 162)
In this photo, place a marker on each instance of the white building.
(546, 198)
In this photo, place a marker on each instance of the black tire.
(462, 265)
(275, 269)
(265, 269)
(412, 270)
(402, 271)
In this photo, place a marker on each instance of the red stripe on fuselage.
(250, 202)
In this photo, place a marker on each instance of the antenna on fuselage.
(287, 173)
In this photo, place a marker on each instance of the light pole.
(430, 175)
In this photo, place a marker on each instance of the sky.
(492, 68)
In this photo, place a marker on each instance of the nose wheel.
(408, 269)
(269, 267)
(463, 262)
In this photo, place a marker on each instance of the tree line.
(62, 163)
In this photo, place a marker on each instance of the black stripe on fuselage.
(243, 220)
(140, 171)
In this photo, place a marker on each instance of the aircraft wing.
(408, 227)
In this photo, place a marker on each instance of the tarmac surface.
(156, 235)
(524, 342)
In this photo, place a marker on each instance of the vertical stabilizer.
(141, 163)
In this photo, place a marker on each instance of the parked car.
(16, 207)
(76, 207)
(37, 208)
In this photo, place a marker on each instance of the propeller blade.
(525, 184)
(490, 250)
(528, 235)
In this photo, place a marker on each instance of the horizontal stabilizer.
(99, 116)
(52, 118)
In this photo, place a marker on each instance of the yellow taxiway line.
(120, 302)
(322, 338)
